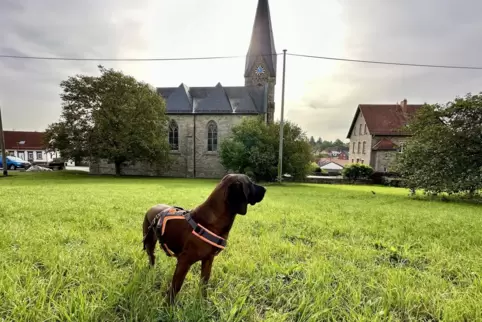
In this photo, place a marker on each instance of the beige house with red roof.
(376, 134)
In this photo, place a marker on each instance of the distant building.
(332, 165)
(202, 117)
(376, 134)
(27, 146)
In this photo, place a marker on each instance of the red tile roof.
(33, 140)
(385, 144)
(321, 162)
(385, 119)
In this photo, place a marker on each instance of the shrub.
(356, 171)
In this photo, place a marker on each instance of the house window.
(400, 148)
(21, 155)
(212, 136)
(362, 161)
(173, 135)
(359, 146)
(360, 128)
(357, 160)
(39, 155)
(364, 147)
(12, 153)
(366, 132)
(30, 155)
(353, 147)
(352, 160)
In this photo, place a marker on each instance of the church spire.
(262, 41)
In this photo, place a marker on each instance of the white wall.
(38, 155)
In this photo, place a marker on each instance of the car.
(57, 164)
(14, 163)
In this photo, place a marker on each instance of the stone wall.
(383, 160)
(192, 159)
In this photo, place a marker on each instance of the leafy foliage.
(356, 171)
(319, 145)
(253, 149)
(444, 155)
(111, 117)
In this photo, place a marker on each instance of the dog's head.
(241, 191)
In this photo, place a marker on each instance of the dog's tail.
(148, 230)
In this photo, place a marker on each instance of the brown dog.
(199, 234)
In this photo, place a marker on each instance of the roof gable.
(216, 101)
(385, 119)
(384, 144)
(180, 100)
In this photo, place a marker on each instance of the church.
(200, 117)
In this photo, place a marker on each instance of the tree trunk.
(118, 168)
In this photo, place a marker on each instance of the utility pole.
(2, 143)
(281, 124)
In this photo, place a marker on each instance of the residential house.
(27, 146)
(332, 165)
(376, 133)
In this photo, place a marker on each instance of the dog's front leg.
(206, 266)
(182, 267)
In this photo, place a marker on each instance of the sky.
(321, 96)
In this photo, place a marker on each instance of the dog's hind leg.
(149, 241)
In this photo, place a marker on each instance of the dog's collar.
(205, 234)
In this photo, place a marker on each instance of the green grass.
(70, 250)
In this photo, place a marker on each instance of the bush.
(253, 146)
(357, 171)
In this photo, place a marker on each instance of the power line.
(385, 62)
(236, 56)
(126, 59)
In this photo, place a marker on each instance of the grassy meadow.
(71, 250)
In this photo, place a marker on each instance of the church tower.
(261, 58)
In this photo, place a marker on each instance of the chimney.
(403, 105)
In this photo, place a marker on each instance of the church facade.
(201, 117)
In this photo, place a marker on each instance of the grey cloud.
(29, 89)
(441, 32)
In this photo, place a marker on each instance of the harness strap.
(205, 234)
(160, 221)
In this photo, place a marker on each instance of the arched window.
(212, 136)
(173, 135)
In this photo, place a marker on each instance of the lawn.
(71, 250)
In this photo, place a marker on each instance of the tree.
(444, 153)
(112, 117)
(253, 147)
(312, 141)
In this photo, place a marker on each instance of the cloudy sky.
(321, 95)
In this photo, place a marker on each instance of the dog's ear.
(237, 198)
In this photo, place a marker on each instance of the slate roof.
(33, 140)
(215, 100)
(262, 41)
(385, 119)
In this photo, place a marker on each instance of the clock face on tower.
(259, 70)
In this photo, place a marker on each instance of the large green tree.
(445, 152)
(113, 117)
(253, 149)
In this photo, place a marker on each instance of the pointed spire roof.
(262, 40)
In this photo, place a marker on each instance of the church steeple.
(262, 41)
(260, 69)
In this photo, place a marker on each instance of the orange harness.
(160, 221)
